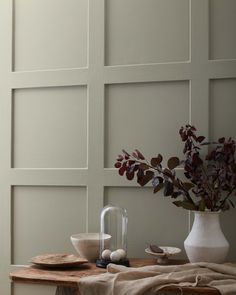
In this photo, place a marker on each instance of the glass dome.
(113, 226)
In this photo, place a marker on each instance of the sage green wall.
(82, 79)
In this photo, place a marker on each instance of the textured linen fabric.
(121, 280)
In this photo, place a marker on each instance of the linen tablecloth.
(121, 280)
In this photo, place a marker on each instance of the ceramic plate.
(58, 260)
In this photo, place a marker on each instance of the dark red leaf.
(184, 136)
(120, 158)
(118, 164)
(189, 132)
(150, 173)
(185, 204)
(130, 175)
(168, 173)
(231, 203)
(136, 167)
(124, 152)
(173, 163)
(197, 160)
(158, 187)
(177, 183)
(143, 166)
(135, 155)
(221, 140)
(200, 139)
(187, 175)
(156, 161)
(187, 185)
(176, 194)
(168, 188)
(140, 155)
(144, 180)
(202, 205)
(122, 170)
(131, 162)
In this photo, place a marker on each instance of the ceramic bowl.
(87, 244)
(162, 258)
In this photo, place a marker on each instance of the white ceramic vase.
(206, 241)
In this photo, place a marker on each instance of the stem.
(188, 195)
(227, 196)
(211, 190)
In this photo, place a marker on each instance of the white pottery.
(206, 241)
(87, 244)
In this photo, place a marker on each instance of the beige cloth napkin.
(121, 280)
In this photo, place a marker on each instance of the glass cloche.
(113, 236)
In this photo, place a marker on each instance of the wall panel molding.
(116, 60)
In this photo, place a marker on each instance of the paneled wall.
(82, 79)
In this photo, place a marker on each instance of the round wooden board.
(58, 260)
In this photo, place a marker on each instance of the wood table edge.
(16, 277)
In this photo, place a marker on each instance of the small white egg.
(115, 256)
(122, 253)
(106, 254)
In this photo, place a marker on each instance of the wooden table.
(69, 278)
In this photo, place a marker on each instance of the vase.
(206, 241)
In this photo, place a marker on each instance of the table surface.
(69, 277)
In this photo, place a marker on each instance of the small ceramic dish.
(162, 258)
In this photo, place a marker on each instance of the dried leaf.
(185, 204)
(173, 162)
(140, 155)
(187, 175)
(122, 170)
(231, 203)
(117, 164)
(177, 183)
(130, 175)
(187, 185)
(120, 158)
(146, 178)
(200, 139)
(197, 160)
(176, 194)
(202, 205)
(150, 174)
(158, 188)
(168, 188)
(154, 162)
(143, 166)
(157, 160)
(221, 140)
(124, 152)
(155, 249)
(135, 155)
(168, 173)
